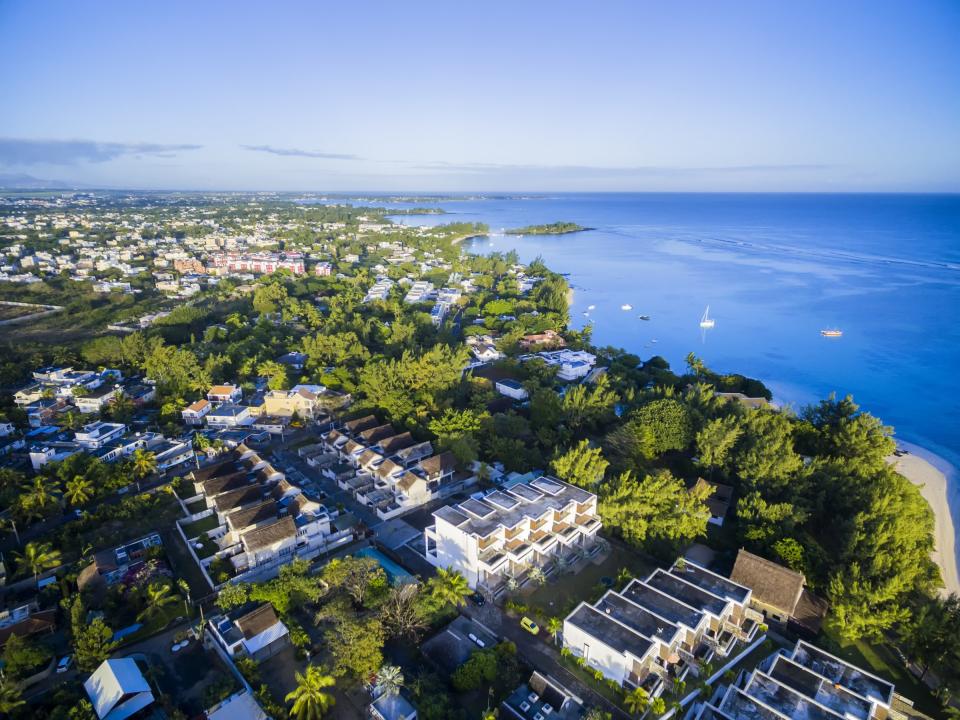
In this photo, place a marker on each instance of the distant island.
(418, 211)
(557, 228)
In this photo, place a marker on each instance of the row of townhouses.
(385, 469)
(246, 513)
(662, 627)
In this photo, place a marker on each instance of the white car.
(65, 662)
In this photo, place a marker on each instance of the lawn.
(209, 548)
(192, 530)
(564, 592)
(881, 660)
(197, 506)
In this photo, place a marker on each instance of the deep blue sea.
(775, 269)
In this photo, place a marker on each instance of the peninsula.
(557, 228)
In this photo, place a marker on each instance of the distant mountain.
(21, 181)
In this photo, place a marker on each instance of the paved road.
(541, 653)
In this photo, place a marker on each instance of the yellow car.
(530, 626)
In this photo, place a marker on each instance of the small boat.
(625, 306)
(586, 314)
(654, 341)
(644, 317)
(832, 333)
(591, 307)
(706, 321)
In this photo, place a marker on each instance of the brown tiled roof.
(350, 447)
(368, 456)
(378, 433)
(407, 481)
(237, 498)
(424, 449)
(226, 466)
(198, 405)
(772, 584)
(256, 621)
(306, 394)
(282, 488)
(333, 436)
(268, 534)
(397, 442)
(810, 611)
(253, 515)
(217, 485)
(359, 424)
(439, 464)
(43, 621)
(222, 390)
(387, 468)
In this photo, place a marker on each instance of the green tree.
(79, 491)
(659, 507)
(581, 465)
(389, 681)
(716, 440)
(310, 699)
(585, 406)
(276, 374)
(143, 462)
(22, 655)
(232, 596)
(637, 701)
(761, 523)
(844, 432)
(359, 646)
(92, 643)
(11, 696)
(354, 575)
(37, 557)
(156, 596)
(764, 458)
(448, 587)
(667, 423)
(555, 628)
(269, 297)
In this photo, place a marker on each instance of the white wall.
(458, 550)
(612, 663)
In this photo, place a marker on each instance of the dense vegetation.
(556, 228)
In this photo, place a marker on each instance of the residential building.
(392, 707)
(225, 394)
(512, 389)
(239, 706)
(304, 401)
(661, 627)
(379, 290)
(547, 339)
(229, 415)
(254, 520)
(194, 413)
(420, 291)
(539, 698)
(526, 523)
(95, 400)
(118, 690)
(779, 593)
(322, 269)
(97, 434)
(109, 567)
(255, 633)
(570, 364)
(260, 263)
(804, 682)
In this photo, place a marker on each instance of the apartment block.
(661, 627)
(526, 523)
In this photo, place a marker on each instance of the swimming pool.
(395, 574)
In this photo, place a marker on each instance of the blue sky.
(698, 96)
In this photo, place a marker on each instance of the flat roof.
(786, 672)
(843, 673)
(686, 593)
(786, 700)
(711, 582)
(608, 631)
(637, 617)
(663, 605)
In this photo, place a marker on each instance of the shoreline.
(938, 482)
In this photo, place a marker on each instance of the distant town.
(278, 456)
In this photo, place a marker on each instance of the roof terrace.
(841, 673)
(643, 621)
(738, 704)
(804, 681)
(686, 593)
(605, 629)
(786, 701)
(663, 605)
(711, 582)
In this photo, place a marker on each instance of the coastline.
(936, 478)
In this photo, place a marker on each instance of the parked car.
(65, 663)
(529, 625)
(478, 599)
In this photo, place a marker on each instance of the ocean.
(775, 269)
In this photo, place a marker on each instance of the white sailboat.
(707, 322)
(626, 306)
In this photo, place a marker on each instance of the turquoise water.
(395, 574)
(775, 270)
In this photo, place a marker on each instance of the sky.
(492, 96)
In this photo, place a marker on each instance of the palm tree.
(389, 681)
(157, 596)
(79, 490)
(310, 701)
(185, 589)
(637, 701)
(449, 587)
(38, 494)
(10, 697)
(537, 576)
(200, 442)
(144, 462)
(122, 407)
(555, 627)
(72, 420)
(37, 557)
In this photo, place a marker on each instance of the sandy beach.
(931, 473)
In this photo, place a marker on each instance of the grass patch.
(204, 525)
(209, 548)
(882, 661)
(196, 506)
(564, 592)
(586, 676)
